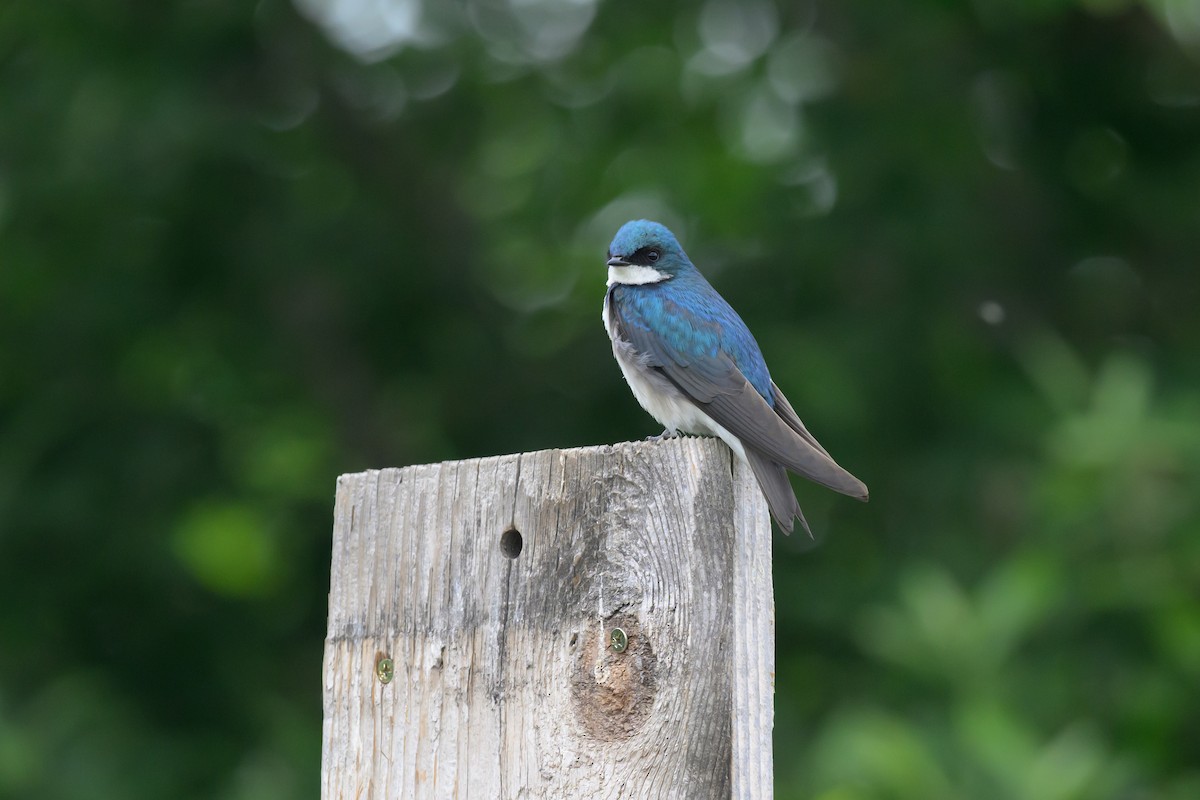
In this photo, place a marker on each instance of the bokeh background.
(246, 247)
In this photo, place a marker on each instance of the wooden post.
(471, 617)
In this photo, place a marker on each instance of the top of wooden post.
(594, 622)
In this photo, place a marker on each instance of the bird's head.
(645, 252)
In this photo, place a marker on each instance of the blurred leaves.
(870, 754)
(962, 640)
(228, 548)
(244, 249)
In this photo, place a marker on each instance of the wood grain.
(504, 684)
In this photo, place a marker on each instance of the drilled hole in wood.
(511, 543)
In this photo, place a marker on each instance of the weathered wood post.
(472, 611)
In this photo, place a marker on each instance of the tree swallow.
(694, 365)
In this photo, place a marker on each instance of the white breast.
(661, 398)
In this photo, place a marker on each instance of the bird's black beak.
(617, 261)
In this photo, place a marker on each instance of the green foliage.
(247, 247)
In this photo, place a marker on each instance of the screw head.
(618, 640)
(385, 670)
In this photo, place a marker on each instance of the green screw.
(618, 640)
(385, 670)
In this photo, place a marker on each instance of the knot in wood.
(613, 693)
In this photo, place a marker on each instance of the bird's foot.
(666, 434)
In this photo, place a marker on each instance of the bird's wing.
(788, 414)
(710, 378)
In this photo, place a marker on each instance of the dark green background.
(237, 260)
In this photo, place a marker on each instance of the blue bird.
(696, 368)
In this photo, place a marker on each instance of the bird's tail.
(773, 480)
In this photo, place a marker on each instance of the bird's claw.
(666, 434)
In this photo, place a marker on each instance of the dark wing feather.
(788, 414)
(715, 384)
(747, 415)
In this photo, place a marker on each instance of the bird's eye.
(652, 256)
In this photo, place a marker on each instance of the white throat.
(635, 275)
